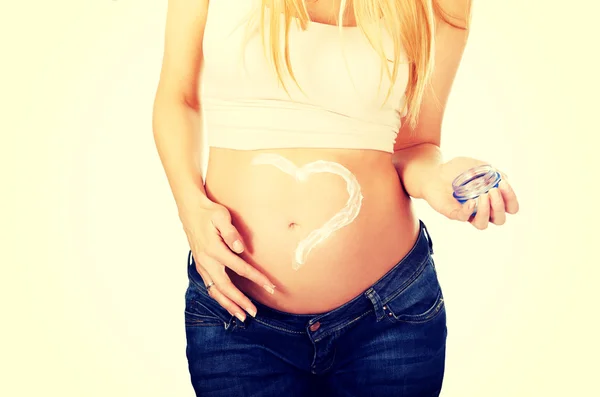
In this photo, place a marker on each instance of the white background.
(94, 259)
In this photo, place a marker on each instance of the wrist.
(418, 166)
(192, 200)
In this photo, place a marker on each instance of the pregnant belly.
(323, 225)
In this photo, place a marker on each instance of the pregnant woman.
(309, 272)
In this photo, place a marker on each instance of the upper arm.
(451, 36)
(182, 57)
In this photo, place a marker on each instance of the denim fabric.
(388, 341)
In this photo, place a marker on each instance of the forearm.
(176, 127)
(415, 165)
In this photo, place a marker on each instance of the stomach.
(322, 224)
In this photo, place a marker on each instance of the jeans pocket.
(421, 300)
(202, 310)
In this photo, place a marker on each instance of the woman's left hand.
(491, 207)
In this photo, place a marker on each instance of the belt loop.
(377, 304)
(428, 236)
(189, 258)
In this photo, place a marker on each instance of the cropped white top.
(342, 103)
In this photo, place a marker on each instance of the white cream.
(342, 218)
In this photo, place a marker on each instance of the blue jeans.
(388, 341)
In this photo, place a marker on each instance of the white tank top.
(246, 108)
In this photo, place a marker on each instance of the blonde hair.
(409, 23)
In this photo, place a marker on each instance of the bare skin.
(273, 212)
(269, 212)
(326, 12)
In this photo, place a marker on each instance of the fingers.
(221, 220)
(213, 261)
(498, 214)
(242, 268)
(469, 207)
(511, 203)
(490, 208)
(223, 290)
(482, 218)
(494, 205)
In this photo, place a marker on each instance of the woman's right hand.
(215, 244)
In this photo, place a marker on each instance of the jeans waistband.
(374, 298)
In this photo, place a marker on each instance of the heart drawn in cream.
(342, 218)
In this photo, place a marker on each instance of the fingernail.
(237, 246)
(269, 288)
(240, 316)
(251, 311)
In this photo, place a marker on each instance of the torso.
(275, 212)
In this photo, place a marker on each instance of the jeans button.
(315, 326)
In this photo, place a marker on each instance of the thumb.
(221, 220)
